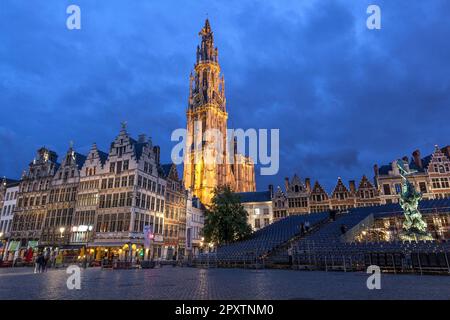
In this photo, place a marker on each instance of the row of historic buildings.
(430, 175)
(101, 203)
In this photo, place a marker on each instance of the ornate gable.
(317, 189)
(296, 185)
(340, 187)
(365, 184)
(439, 162)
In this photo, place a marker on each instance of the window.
(122, 199)
(398, 188)
(257, 211)
(386, 189)
(125, 165)
(423, 187)
(112, 165)
(129, 199)
(102, 201)
(119, 167)
(108, 201)
(131, 181)
(257, 224)
(115, 200)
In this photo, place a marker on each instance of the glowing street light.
(61, 230)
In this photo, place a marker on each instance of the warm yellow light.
(133, 247)
(62, 229)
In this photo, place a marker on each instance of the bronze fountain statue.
(414, 228)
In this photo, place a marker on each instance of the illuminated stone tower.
(203, 171)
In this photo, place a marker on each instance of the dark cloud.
(343, 97)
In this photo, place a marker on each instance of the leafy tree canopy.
(226, 218)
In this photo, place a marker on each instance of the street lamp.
(1, 234)
(61, 230)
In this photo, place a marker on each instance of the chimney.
(157, 152)
(352, 186)
(405, 159)
(271, 190)
(308, 184)
(417, 159)
(286, 183)
(142, 138)
(375, 178)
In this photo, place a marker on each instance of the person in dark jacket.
(302, 228)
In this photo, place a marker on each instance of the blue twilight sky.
(344, 97)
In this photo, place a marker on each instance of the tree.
(225, 218)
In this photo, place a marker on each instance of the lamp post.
(61, 231)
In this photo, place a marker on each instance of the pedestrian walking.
(302, 228)
(289, 251)
(174, 258)
(45, 260)
(36, 264)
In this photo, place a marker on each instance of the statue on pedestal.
(414, 228)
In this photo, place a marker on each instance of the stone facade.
(34, 192)
(207, 165)
(60, 207)
(431, 175)
(84, 220)
(299, 198)
(131, 196)
(9, 190)
(175, 213)
(195, 220)
(259, 207)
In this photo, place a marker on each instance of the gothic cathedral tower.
(204, 170)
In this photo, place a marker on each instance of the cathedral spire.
(206, 52)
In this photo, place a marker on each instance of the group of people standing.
(41, 262)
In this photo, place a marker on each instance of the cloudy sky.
(344, 97)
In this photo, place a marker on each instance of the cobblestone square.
(194, 283)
